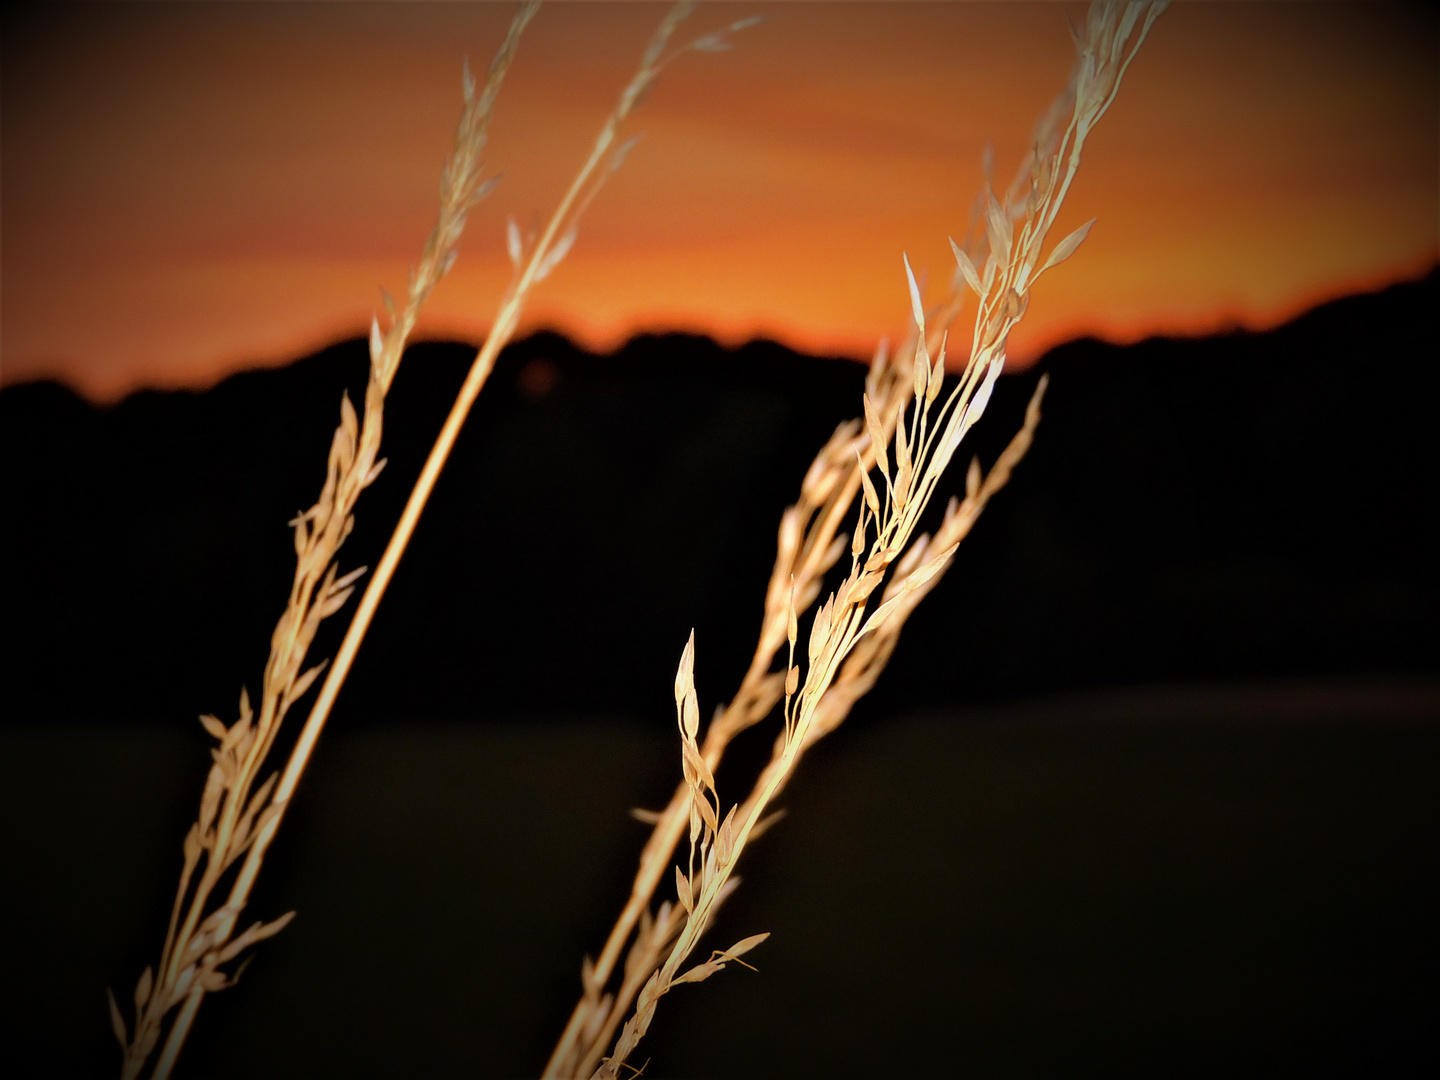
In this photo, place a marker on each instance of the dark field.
(1187, 881)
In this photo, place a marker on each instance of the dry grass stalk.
(195, 949)
(848, 645)
(235, 813)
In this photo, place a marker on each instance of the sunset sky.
(193, 189)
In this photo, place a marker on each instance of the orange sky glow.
(190, 190)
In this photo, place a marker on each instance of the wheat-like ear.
(850, 643)
(237, 818)
(199, 943)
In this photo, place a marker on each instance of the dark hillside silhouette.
(1242, 506)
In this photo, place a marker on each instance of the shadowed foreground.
(1184, 881)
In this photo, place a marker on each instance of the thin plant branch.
(204, 946)
(237, 817)
(849, 644)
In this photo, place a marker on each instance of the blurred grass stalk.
(849, 646)
(236, 818)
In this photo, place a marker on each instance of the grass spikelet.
(237, 818)
(846, 650)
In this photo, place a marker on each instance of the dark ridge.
(1243, 506)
